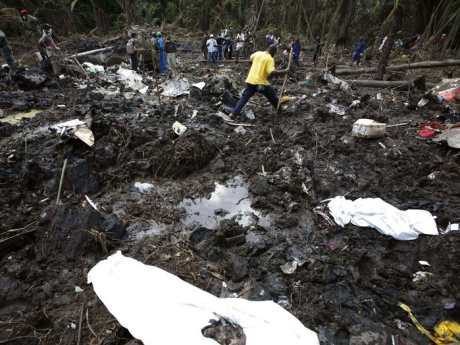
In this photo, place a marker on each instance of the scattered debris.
(240, 130)
(199, 85)
(143, 187)
(369, 129)
(179, 128)
(93, 69)
(176, 88)
(76, 128)
(330, 78)
(448, 90)
(132, 80)
(337, 109)
(421, 276)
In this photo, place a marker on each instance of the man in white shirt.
(211, 44)
(240, 42)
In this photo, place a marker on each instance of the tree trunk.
(343, 15)
(129, 10)
(387, 48)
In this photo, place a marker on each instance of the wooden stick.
(80, 324)
(81, 67)
(398, 125)
(89, 325)
(91, 52)
(285, 82)
(61, 182)
(273, 138)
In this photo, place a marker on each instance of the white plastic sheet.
(132, 79)
(385, 218)
(159, 308)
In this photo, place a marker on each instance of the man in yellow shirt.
(263, 67)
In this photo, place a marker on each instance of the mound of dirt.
(188, 154)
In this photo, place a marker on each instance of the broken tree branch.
(284, 82)
(91, 52)
(80, 324)
(402, 67)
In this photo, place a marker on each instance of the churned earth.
(236, 210)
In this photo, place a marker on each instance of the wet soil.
(237, 213)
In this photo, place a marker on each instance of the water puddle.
(16, 118)
(228, 200)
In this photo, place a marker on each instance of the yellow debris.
(446, 332)
(285, 99)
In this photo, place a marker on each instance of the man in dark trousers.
(296, 50)
(45, 44)
(263, 67)
(317, 50)
(5, 50)
(204, 48)
(131, 50)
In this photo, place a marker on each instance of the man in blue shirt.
(160, 45)
(296, 49)
(358, 52)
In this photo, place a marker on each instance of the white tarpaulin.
(159, 308)
(385, 218)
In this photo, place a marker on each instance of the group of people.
(223, 46)
(163, 51)
(32, 28)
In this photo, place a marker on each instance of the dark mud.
(237, 214)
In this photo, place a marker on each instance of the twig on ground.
(80, 323)
(61, 181)
(89, 325)
(273, 138)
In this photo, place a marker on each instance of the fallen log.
(402, 67)
(91, 52)
(385, 84)
(227, 61)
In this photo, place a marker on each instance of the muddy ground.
(230, 209)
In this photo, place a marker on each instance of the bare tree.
(395, 20)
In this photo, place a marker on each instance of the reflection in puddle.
(16, 118)
(227, 201)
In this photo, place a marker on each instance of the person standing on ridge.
(211, 45)
(131, 50)
(296, 49)
(171, 50)
(160, 45)
(5, 50)
(358, 52)
(45, 43)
